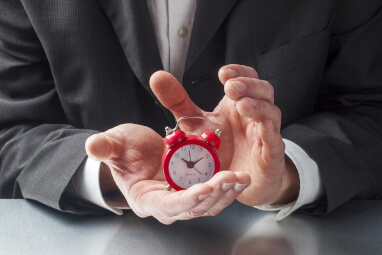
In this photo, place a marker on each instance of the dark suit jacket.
(71, 68)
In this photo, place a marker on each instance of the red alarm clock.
(190, 159)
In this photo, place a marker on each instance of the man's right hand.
(133, 155)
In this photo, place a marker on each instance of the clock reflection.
(270, 237)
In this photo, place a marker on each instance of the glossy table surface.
(30, 228)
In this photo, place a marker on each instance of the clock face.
(191, 164)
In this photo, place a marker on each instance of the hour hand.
(185, 160)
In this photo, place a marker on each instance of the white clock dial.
(191, 164)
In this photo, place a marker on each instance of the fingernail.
(239, 86)
(240, 186)
(231, 73)
(227, 186)
(252, 101)
(202, 197)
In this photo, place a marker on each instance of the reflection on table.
(31, 228)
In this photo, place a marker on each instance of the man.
(70, 69)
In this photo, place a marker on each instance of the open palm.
(133, 154)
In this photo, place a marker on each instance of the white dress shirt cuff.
(86, 185)
(310, 181)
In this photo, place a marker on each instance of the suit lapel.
(133, 26)
(209, 15)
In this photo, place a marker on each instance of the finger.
(233, 71)
(253, 138)
(243, 180)
(114, 146)
(99, 147)
(221, 183)
(107, 144)
(149, 198)
(167, 206)
(249, 87)
(172, 95)
(273, 149)
(182, 201)
(259, 110)
(143, 197)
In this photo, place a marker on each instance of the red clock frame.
(190, 139)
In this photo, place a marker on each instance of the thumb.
(172, 95)
(99, 147)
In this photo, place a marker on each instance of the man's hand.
(250, 125)
(133, 154)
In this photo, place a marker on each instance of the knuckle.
(258, 108)
(253, 83)
(194, 214)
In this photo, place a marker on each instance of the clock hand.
(198, 160)
(189, 153)
(185, 160)
(197, 170)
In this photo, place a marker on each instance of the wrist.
(290, 184)
(106, 180)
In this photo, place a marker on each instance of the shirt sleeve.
(310, 181)
(85, 184)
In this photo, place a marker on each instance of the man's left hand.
(250, 123)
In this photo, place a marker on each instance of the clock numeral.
(205, 174)
(201, 148)
(184, 148)
(172, 163)
(207, 155)
(174, 173)
(189, 182)
(192, 146)
(181, 178)
(198, 179)
(177, 155)
(209, 164)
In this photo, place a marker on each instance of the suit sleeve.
(39, 150)
(344, 136)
